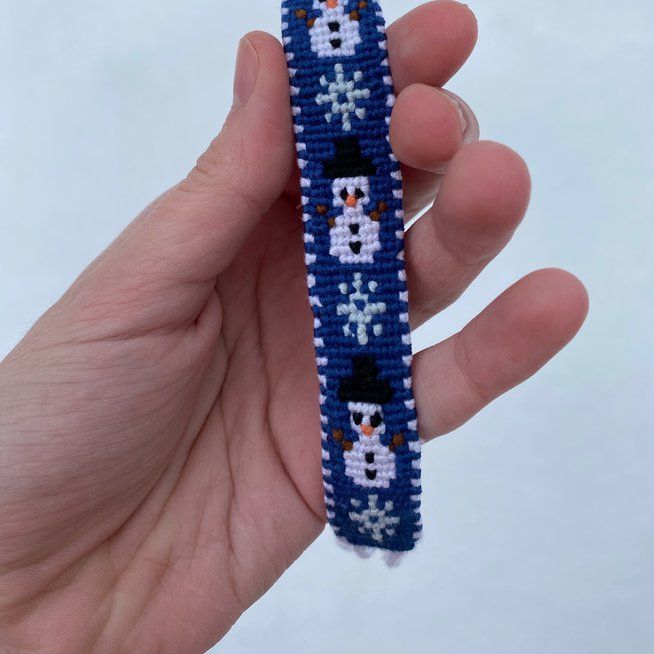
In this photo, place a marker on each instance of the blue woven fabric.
(342, 97)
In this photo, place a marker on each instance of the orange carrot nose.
(332, 4)
(351, 201)
(367, 430)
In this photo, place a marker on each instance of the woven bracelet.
(351, 186)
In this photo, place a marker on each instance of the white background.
(538, 514)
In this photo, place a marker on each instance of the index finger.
(430, 43)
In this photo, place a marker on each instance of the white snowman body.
(354, 235)
(334, 33)
(369, 463)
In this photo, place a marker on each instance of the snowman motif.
(368, 462)
(335, 32)
(354, 233)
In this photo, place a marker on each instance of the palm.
(252, 470)
(219, 465)
(160, 423)
(249, 492)
(260, 443)
(269, 332)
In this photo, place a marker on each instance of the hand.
(159, 428)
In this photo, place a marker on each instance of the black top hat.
(348, 161)
(364, 385)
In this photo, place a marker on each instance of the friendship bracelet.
(351, 186)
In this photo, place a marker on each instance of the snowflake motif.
(343, 96)
(374, 521)
(360, 311)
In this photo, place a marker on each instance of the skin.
(159, 429)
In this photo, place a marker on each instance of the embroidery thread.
(343, 96)
(360, 311)
(351, 205)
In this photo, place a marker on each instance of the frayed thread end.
(392, 559)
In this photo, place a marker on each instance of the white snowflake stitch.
(343, 95)
(360, 311)
(374, 520)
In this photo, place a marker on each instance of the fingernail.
(469, 124)
(247, 70)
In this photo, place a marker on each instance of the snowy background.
(539, 530)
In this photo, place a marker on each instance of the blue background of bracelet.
(388, 349)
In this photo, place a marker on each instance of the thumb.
(192, 232)
(247, 166)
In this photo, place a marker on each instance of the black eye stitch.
(358, 418)
(376, 420)
(344, 194)
(359, 194)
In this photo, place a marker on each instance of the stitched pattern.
(378, 523)
(351, 186)
(333, 32)
(360, 311)
(343, 96)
